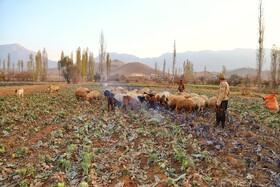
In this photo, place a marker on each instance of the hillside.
(134, 67)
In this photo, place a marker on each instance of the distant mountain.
(116, 64)
(212, 60)
(134, 68)
(124, 57)
(242, 71)
(18, 52)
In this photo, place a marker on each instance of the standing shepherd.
(181, 87)
(222, 101)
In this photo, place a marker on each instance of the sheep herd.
(136, 99)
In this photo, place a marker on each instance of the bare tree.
(204, 74)
(155, 68)
(102, 52)
(273, 66)
(260, 52)
(174, 62)
(164, 64)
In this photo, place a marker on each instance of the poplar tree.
(260, 52)
(4, 66)
(78, 60)
(224, 70)
(21, 65)
(13, 68)
(9, 63)
(273, 65)
(184, 67)
(164, 65)
(90, 73)
(102, 53)
(168, 73)
(18, 66)
(38, 71)
(83, 66)
(61, 55)
(155, 68)
(108, 66)
(30, 66)
(44, 65)
(59, 64)
(205, 71)
(188, 71)
(174, 61)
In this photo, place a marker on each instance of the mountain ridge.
(212, 60)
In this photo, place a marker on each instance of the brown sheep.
(151, 100)
(53, 89)
(163, 102)
(173, 101)
(81, 93)
(205, 99)
(159, 95)
(134, 103)
(185, 105)
(93, 95)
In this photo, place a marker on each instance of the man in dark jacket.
(181, 87)
(222, 101)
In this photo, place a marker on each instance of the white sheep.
(20, 92)
(199, 102)
(212, 102)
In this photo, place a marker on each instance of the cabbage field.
(54, 140)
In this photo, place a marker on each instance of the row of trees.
(84, 69)
(32, 70)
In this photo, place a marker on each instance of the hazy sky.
(145, 28)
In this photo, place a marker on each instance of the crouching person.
(222, 101)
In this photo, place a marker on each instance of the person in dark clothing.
(222, 101)
(181, 87)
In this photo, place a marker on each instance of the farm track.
(131, 148)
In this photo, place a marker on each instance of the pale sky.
(145, 28)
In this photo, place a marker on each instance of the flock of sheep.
(135, 99)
